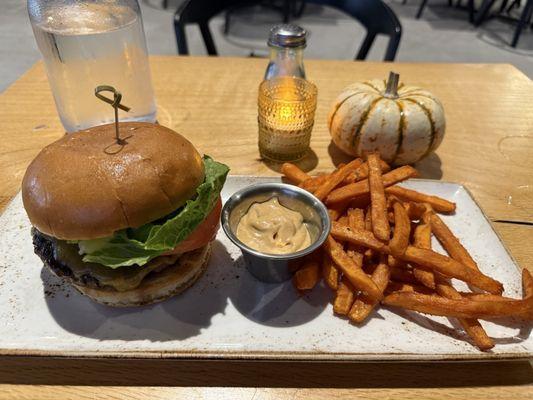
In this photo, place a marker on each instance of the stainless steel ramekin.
(275, 267)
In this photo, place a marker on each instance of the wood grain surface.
(488, 147)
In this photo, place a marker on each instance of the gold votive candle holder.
(286, 107)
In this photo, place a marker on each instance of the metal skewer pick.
(115, 103)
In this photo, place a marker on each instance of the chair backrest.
(200, 12)
(374, 15)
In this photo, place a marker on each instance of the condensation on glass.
(89, 43)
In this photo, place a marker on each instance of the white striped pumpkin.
(404, 123)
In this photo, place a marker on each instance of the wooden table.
(212, 101)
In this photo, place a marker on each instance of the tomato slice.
(203, 234)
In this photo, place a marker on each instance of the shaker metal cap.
(287, 35)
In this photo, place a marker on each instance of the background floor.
(443, 34)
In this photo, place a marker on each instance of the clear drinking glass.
(286, 108)
(86, 43)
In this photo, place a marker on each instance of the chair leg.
(503, 6)
(181, 39)
(392, 48)
(515, 3)
(471, 11)
(450, 3)
(298, 12)
(287, 6)
(524, 18)
(208, 39)
(365, 46)
(404, 2)
(227, 21)
(483, 11)
(421, 9)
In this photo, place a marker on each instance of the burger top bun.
(87, 186)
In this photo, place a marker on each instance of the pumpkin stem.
(391, 90)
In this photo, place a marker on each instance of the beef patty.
(64, 260)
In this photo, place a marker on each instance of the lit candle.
(286, 116)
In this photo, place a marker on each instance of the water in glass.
(91, 43)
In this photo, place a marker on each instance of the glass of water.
(87, 43)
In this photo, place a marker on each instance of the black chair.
(423, 5)
(374, 15)
(469, 6)
(523, 21)
(199, 12)
(288, 9)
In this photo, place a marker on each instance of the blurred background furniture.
(523, 21)
(288, 9)
(469, 6)
(374, 15)
(423, 6)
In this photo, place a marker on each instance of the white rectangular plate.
(229, 314)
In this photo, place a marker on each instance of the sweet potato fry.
(338, 210)
(293, 173)
(402, 230)
(451, 244)
(451, 268)
(313, 183)
(363, 305)
(394, 286)
(344, 297)
(414, 210)
(360, 188)
(333, 180)
(422, 239)
(330, 272)
(402, 275)
(359, 237)
(484, 296)
(334, 214)
(378, 202)
(527, 284)
(351, 271)
(343, 220)
(438, 204)
(369, 253)
(463, 308)
(362, 172)
(360, 202)
(423, 257)
(368, 220)
(456, 250)
(307, 276)
(364, 203)
(356, 218)
(471, 325)
(395, 263)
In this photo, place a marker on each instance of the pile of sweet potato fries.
(379, 251)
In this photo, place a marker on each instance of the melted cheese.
(121, 279)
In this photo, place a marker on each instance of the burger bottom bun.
(157, 286)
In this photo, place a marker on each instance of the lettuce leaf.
(140, 245)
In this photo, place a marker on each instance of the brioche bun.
(87, 186)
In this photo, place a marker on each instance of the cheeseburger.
(126, 223)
